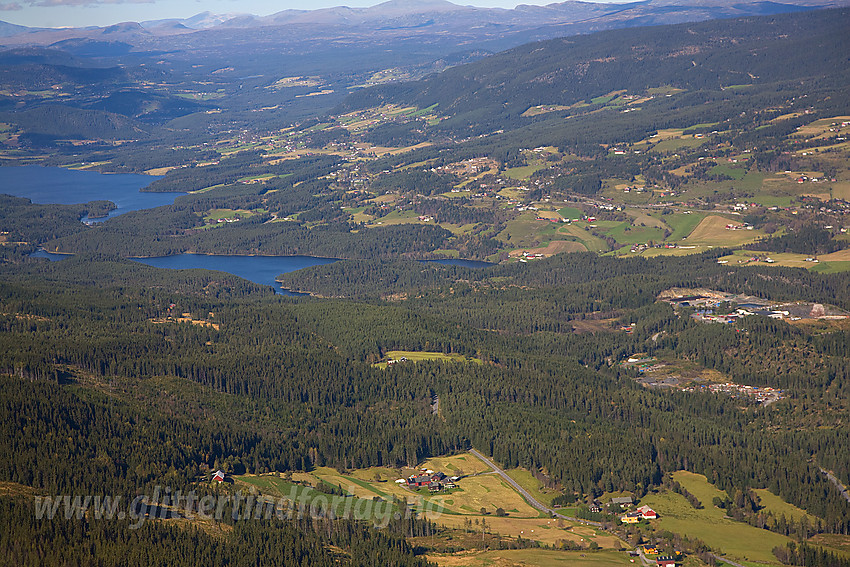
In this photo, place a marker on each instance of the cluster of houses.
(530, 256)
(642, 513)
(434, 480)
(765, 395)
(631, 516)
(638, 248)
(745, 226)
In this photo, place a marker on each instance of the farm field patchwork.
(709, 524)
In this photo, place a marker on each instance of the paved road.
(841, 488)
(537, 504)
(531, 500)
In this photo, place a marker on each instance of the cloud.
(10, 7)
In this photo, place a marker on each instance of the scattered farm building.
(622, 501)
(647, 513)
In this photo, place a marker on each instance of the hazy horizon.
(80, 13)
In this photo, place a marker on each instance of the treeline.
(29, 542)
(806, 555)
(167, 231)
(808, 239)
(642, 279)
(28, 222)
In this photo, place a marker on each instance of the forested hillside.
(661, 314)
(705, 57)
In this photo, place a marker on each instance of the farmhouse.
(218, 476)
(631, 518)
(622, 501)
(647, 513)
(435, 481)
(665, 561)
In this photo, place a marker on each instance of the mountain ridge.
(437, 15)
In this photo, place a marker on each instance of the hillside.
(703, 57)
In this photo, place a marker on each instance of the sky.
(78, 13)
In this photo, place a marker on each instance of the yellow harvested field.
(160, 170)
(840, 189)
(840, 256)
(544, 530)
(186, 318)
(820, 127)
(712, 231)
(460, 465)
(488, 491)
(544, 108)
(532, 558)
(554, 247)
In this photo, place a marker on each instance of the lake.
(259, 269)
(62, 186)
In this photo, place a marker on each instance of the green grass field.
(736, 539)
(520, 173)
(778, 506)
(526, 480)
(729, 171)
(682, 224)
(831, 267)
(525, 231)
(591, 242)
(570, 213)
(625, 233)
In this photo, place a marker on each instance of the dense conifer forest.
(610, 180)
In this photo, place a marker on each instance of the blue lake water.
(58, 185)
(259, 269)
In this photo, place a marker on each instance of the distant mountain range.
(429, 17)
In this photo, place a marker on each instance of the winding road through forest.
(528, 497)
